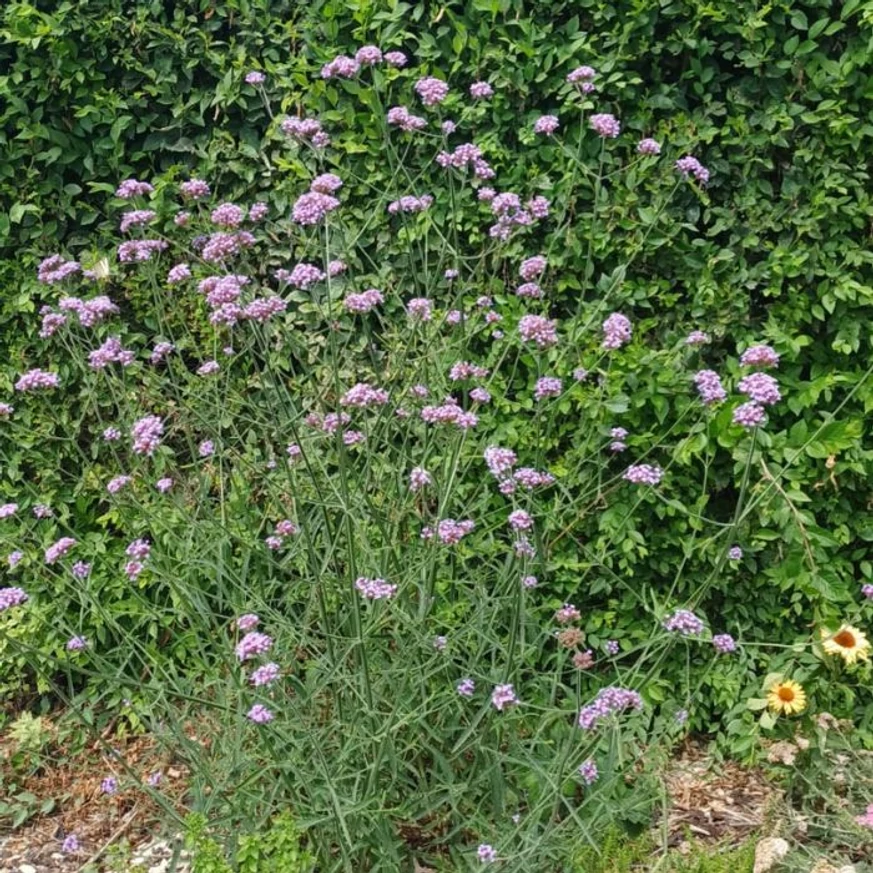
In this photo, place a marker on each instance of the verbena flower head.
(109, 785)
(617, 331)
(131, 188)
(326, 183)
(533, 267)
(612, 647)
(709, 387)
(37, 380)
(567, 614)
(139, 548)
(375, 589)
(115, 485)
(14, 559)
(648, 146)
(643, 474)
(364, 302)
(588, 772)
(194, 189)
(8, 509)
(724, 643)
(761, 388)
(341, 67)
(76, 644)
(581, 75)
(481, 90)
(260, 714)
(486, 854)
(466, 687)
(136, 217)
(255, 77)
(71, 844)
(252, 645)
(55, 268)
(10, 597)
(546, 124)
(146, 434)
(81, 570)
(396, 59)
(697, 338)
(735, 553)
(749, 415)
(690, 166)
(759, 356)
(431, 91)
(164, 485)
(608, 702)
(400, 116)
(605, 125)
(57, 551)
(420, 309)
(503, 696)
(547, 386)
(368, 55)
(179, 273)
(520, 520)
(313, 207)
(266, 674)
(539, 330)
(419, 478)
(684, 622)
(247, 622)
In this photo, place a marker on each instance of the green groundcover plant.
(359, 486)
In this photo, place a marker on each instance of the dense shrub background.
(775, 100)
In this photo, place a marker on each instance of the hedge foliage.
(774, 99)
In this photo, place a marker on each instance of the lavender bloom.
(164, 485)
(735, 553)
(340, 67)
(57, 551)
(81, 570)
(8, 509)
(609, 701)
(206, 448)
(136, 217)
(567, 614)
(867, 591)
(529, 478)
(759, 356)
(481, 90)
(132, 569)
(259, 714)
(530, 582)
(539, 330)
(14, 559)
(612, 647)
(546, 124)
(643, 474)
(154, 779)
(466, 687)
(6, 409)
(749, 415)
(110, 352)
(363, 395)
(266, 674)
(37, 379)
(605, 125)
(109, 785)
(273, 542)
(724, 643)
(431, 91)
(648, 147)
(502, 696)
(139, 548)
(448, 127)
(42, 511)
(400, 116)
(465, 370)
(760, 387)
(616, 331)
(51, 323)
(139, 250)
(375, 589)
(500, 461)
(368, 55)
(76, 644)
(486, 854)
(286, 528)
(131, 188)
(255, 77)
(252, 645)
(178, 274)
(160, 351)
(326, 183)
(194, 189)
(440, 643)
(690, 166)
(709, 387)
(208, 368)
(409, 203)
(258, 211)
(480, 395)
(10, 597)
(301, 276)
(396, 59)
(684, 622)
(520, 520)
(580, 374)
(547, 386)
(588, 772)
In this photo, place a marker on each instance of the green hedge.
(775, 100)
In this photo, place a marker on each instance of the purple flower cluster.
(582, 77)
(179, 273)
(136, 217)
(684, 622)
(10, 597)
(260, 714)
(648, 146)
(363, 395)
(431, 91)
(57, 550)
(400, 116)
(255, 77)
(146, 433)
(547, 386)
(341, 67)
(419, 478)
(139, 250)
(759, 356)
(55, 269)
(546, 125)
(110, 352)
(375, 589)
(301, 276)
(76, 644)
(709, 387)
(481, 90)
(749, 415)
(266, 674)
(567, 614)
(465, 370)
(252, 645)
(605, 125)
(466, 154)
(368, 55)
(311, 208)
(194, 189)
(37, 380)
(609, 701)
(618, 435)
(617, 331)
(449, 531)
(761, 388)
(227, 215)
(306, 130)
(466, 687)
(420, 308)
(690, 166)
(410, 203)
(697, 338)
(364, 302)
(115, 485)
(520, 520)
(449, 412)
(131, 188)
(588, 772)
(643, 474)
(735, 553)
(531, 268)
(724, 643)
(503, 696)
(539, 330)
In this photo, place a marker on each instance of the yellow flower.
(848, 642)
(786, 697)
